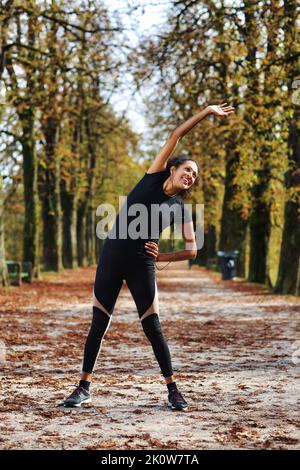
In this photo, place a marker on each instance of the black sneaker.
(79, 396)
(176, 400)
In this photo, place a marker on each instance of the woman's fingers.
(152, 253)
(228, 110)
(152, 244)
(151, 248)
(225, 106)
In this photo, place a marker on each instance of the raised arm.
(164, 154)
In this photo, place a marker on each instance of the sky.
(150, 15)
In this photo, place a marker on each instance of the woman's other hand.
(222, 110)
(152, 249)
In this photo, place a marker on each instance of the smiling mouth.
(186, 181)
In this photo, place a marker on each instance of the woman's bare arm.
(162, 157)
(164, 154)
(190, 251)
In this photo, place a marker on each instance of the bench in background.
(19, 272)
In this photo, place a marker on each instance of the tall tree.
(23, 97)
(265, 135)
(288, 281)
(51, 115)
(5, 14)
(233, 225)
(3, 269)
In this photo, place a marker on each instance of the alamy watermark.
(139, 221)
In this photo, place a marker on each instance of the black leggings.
(137, 268)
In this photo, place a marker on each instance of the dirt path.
(236, 356)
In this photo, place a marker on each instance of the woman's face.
(185, 175)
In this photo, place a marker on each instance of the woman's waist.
(125, 248)
(128, 242)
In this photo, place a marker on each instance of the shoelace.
(76, 392)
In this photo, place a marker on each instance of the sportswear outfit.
(123, 257)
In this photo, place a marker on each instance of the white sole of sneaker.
(88, 400)
(176, 409)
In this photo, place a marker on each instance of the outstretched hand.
(222, 110)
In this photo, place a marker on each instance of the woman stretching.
(132, 258)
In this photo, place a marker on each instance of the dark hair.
(177, 162)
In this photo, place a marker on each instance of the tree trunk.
(69, 207)
(250, 35)
(233, 227)
(86, 217)
(209, 247)
(30, 182)
(69, 202)
(259, 237)
(266, 139)
(51, 203)
(3, 268)
(81, 236)
(288, 281)
(288, 276)
(90, 236)
(23, 100)
(289, 266)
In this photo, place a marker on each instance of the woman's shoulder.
(157, 174)
(157, 178)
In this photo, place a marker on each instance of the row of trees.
(248, 54)
(62, 143)
(59, 132)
